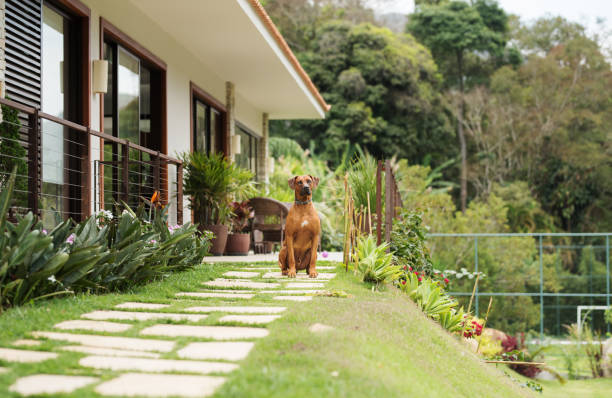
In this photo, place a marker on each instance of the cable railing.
(66, 170)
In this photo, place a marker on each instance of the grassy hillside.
(382, 346)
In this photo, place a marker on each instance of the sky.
(585, 12)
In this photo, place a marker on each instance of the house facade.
(178, 76)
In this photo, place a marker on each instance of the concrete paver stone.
(250, 319)
(319, 327)
(124, 343)
(289, 291)
(238, 310)
(93, 326)
(303, 285)
(209, 332)
(215, 295)
(221, 282)
(131, 305)
(242, 274)
(111, 352)
(293, 298)
(230, 351)
(300, 275)
(50, 384)
(156, 385)
(26, 343)
(155, 365)
(25, 356)
(141, 316)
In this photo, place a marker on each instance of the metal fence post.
(608, 276)
(379, 202)
(541, 294)
(125, 184)
(476, 270)
(179, 193)
(388, 201)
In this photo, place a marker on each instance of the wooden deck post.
(379, 202)
(34, 160)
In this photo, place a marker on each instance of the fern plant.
(374, 263)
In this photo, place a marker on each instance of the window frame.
(197, 93)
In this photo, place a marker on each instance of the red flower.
(405, 268)
(445, 280)
(442, 276)
(420, 279)
(403, 282)
(416, 273)
(410, 268)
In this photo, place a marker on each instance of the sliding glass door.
(128, 115)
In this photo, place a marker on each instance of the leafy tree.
(385, 95)
(452, 30)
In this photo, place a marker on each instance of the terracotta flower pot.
(238, 244)
(219, 241)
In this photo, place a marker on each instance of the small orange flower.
(155, 197)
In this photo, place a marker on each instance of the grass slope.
(382, 346)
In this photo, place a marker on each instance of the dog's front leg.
(291, 273)
(312, 270)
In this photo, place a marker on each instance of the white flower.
(52, 279)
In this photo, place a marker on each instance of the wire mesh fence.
(537, 280)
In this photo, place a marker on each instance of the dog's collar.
(299, 202)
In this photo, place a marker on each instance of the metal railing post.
(125, 156)
(476, 306)
(34, 166)
(541, 294)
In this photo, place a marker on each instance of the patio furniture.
(268, 223)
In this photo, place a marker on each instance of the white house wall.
(182, 67)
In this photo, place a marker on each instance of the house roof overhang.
(237, 41)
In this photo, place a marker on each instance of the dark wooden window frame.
(80, 16)
(251, 134)
(195, 92)
(110, 32)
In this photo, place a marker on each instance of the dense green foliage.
(384, 92)
(13, 155)
(533, 125)
(408, 242)
(90, 257)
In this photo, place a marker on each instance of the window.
(208, 122)
(247, 158)
(133, 95)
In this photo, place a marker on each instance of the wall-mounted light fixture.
(100, 76)
(236, 144)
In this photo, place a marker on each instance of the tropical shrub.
(133, 248)
(408, 242)
(212, 182)
(374, 263)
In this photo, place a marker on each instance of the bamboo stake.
(470, 304)
(346, 228)
(484, 324)
(369, 215)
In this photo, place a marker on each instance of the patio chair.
(268, 223)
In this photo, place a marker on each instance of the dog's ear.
(292, 182)
(315, 181)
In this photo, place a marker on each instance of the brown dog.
(302, 230)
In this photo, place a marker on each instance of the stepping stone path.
(155, 361)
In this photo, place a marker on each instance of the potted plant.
(212, 182)
(239, 240)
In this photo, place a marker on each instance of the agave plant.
(374, 263)
(451, 320)
(432, 299)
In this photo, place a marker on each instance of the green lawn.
(382, 345)
(591, 388)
